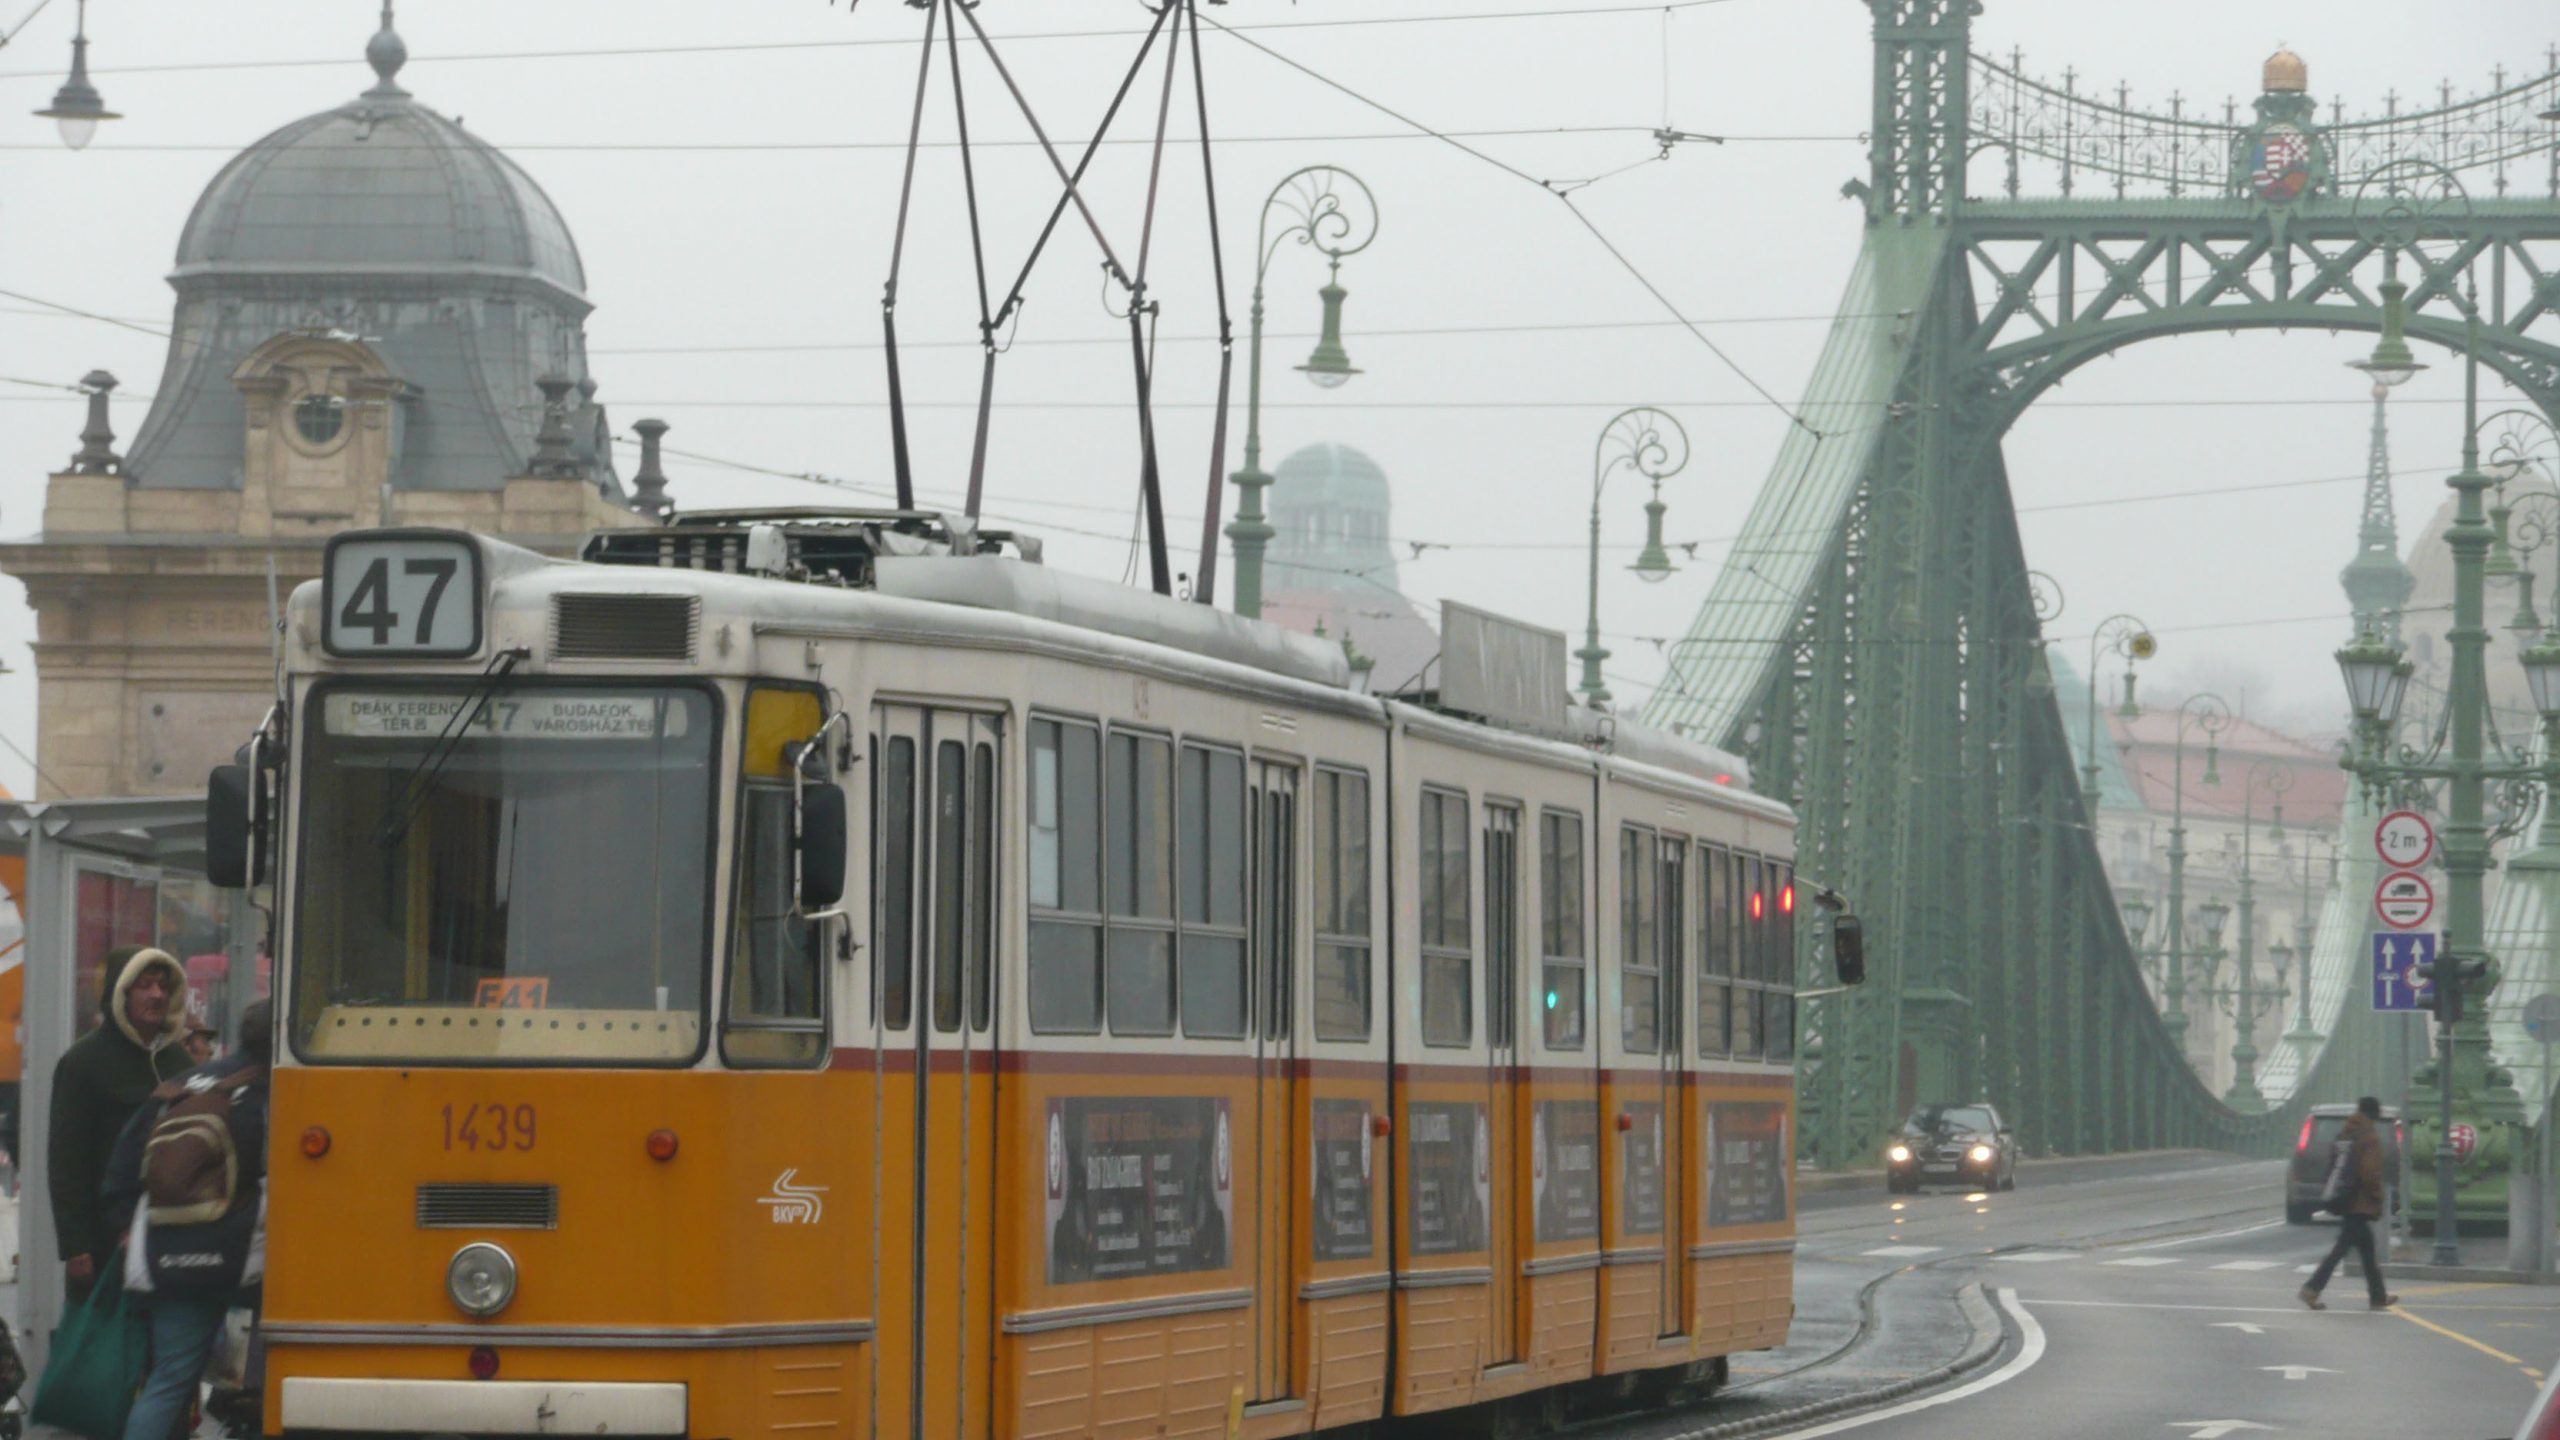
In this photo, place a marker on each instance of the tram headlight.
(481, 1279)
(1981, 1154)
(1899, 1155)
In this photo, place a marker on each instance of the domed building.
(380, 320)
(1331, 565)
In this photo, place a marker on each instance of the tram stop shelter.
(100, 874)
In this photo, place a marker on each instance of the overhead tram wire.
(679, 147)
(1794, 414)
(616, 52)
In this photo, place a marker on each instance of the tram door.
(1273, 812)
(1504, 1079)
(935, 821)
(1672, 880)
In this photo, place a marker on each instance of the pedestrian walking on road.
(2354, 1191)
(98, 1084)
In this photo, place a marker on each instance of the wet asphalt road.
(2147, 1300)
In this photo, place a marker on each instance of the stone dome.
(2285, 74)
(1327, 475)
(381, 184)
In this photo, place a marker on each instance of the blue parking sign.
(2396, 956)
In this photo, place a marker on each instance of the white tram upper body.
(1199, 1046)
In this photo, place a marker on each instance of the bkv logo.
(792, 1203)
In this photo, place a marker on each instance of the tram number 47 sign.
(2396, 959)
(2404, 900)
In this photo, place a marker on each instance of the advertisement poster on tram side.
(1747, 1161)
(1644, 1168)
(1138, 1186)
(1564, 1175)
(1446, 1144)
(1343, 1167)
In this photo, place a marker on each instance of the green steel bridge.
(1874, 642)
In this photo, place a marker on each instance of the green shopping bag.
(99, 1355)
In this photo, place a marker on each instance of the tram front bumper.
(483, 1407)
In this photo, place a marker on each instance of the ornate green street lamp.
(2127, 638)
(2209, 715)
(2303, 1036)
(77, 107)
(1331, 209)
(1652, 444)
(2243, 1001)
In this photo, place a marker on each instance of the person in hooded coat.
(98, 1084)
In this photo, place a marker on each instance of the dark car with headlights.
(1952, 1145)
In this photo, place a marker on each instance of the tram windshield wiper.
(413, 790)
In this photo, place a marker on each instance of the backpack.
(193, 1171)
(2340, 1188)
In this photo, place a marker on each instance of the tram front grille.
(476, 1205)
(623, 627)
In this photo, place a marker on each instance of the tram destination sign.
(425, 715)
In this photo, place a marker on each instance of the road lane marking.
(1904, 1252)
(2243, 1326)
(2200, 1239)
(2215, 1429)
(2030, 1350)
(2456, 1335)
(2248, 1265)
(2146, 1260)
(2215, 1309)
(2297, 1372)
(2039, 1257)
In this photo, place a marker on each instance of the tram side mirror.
(230, 831)
(1849, 950)
(822, 843)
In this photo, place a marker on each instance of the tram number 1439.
(489, 1127)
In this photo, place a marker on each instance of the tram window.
(1752, 915)
(1279, 908)
(1065, 964)
(982, 861)
(1342, 905)
(950, 880)
(894, 881)
(1448, 998)
(1213, 869)
(1715, 950)
(773, 1014)
(1502, 925)
(1671, 926)
(1639, 919)
(1564, 971)
(1138, 877)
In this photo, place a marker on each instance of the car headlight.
(481, 1279)
(1899, 1155)
(1981, 1154)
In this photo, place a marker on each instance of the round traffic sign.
(2404, 900)
(2404, 839)
(2464, 1138)
(2542, 1019)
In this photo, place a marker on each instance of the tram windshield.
(530, 886)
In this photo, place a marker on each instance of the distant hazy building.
(1332, 563)
(380, 320)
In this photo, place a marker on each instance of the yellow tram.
(827, 973)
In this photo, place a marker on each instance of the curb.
(1988, 1338)
(1834, 1181)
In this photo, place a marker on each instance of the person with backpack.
(2354, 1193)
(98, 1084)
(188, 1180)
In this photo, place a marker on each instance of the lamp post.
(2243, 1000)
(77, 107)
(1331, 209)
(1652, 444)
(2211, 715)
(2302, 1037)
(2411, 195)
(2127, 637)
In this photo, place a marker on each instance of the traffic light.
(2445, 980)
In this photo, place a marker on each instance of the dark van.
(2314, 1149)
